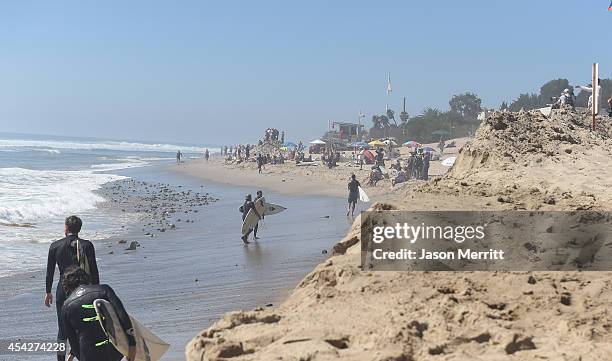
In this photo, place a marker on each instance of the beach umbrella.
(411, 144)
(317, 141)
(448, 162)
(376, 143)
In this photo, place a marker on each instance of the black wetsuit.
(246, 207)
(353, 188)
(63, 253)
(88, 342)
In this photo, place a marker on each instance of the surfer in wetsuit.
(88, 342)
(245, 208)
(353, 187)
(67, 252)
(259, 198)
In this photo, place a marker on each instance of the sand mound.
(531, 161)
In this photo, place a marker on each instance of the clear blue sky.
(221, 71)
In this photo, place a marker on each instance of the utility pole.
(595, 93)
(361, 115)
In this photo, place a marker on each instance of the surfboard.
(363, 196)
(260, 205)
(249, 221)
(149, 347)
(272, 208)
(267, 209)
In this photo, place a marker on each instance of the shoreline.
(188, 277)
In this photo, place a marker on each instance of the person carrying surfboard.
(353, 187)
(260, 203)
(65, 253)
(88, 341)
(245, 208)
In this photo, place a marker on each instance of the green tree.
(525, 101)
(467, 105)
(391, 115)
(553, 88)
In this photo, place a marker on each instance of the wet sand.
(179, 282)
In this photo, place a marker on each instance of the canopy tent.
(411, 144)
(317, 141)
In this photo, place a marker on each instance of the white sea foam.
(104, 145)
(32, 196)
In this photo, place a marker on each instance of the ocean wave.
(30, 196)
(117, 166)
(103, 145)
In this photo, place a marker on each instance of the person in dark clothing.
(245, 208)
(353, 187)
(426, 158)
(259, 198)
(259, 162)
(88, 342)
(67, 252)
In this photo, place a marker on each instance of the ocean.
(43, 179)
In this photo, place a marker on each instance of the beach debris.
(566, 298)
(324, 251)
(519, 343)
(122, 241)
(133, 246)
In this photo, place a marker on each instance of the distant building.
(347, 132)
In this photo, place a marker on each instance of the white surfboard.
(267, 209)
(149, 347)
(363, 196)
(250, 221)
(272, 208)
(260, 205)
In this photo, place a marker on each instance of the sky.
(219, 72)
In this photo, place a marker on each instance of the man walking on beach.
(178, 157)
(261, 201)
(206, 154)
(353, 187)
(245, 208)
(67, 252)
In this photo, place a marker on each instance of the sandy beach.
(341, 312)
(307, 178)
(182, 279)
